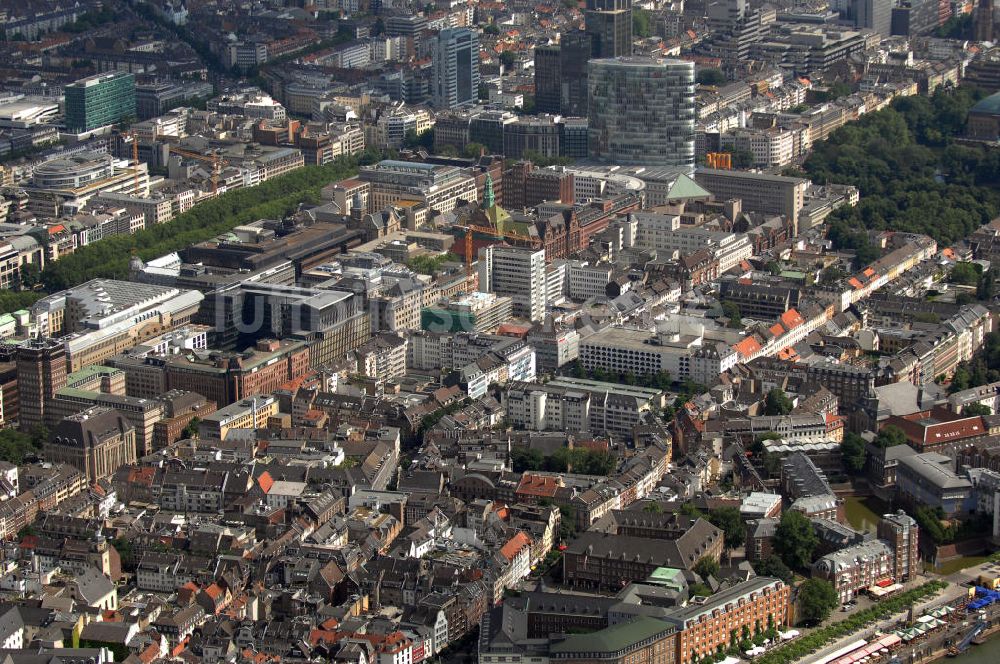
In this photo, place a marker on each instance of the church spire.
(489, 202)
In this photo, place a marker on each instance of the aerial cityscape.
(479, 332)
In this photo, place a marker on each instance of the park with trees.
(912, 173)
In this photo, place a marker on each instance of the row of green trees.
(564, 459)
(740, 641)
(660, 380)
(911, 173)
(809, 644)
(109, 258)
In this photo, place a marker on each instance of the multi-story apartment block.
(759, 192)
(855, 568)
(572, 404)
(722, 619)
(250, 413)
(685, 352)
(518, 273)
(469, 312)
(554, 347)
(901, 532)
(770, 148)
(436, 186)
(383, 357)
(664, 232)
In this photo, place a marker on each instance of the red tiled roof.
(318, 636)
(180, 647)
(142, 475)
(792, 319)
(150, 653)
(600, 445)
(513, 330)
(514, 545)
(747, 347)
(537, 485)
(501, 510)
(787, 353)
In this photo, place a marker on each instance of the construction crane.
(135, 161)
(213, 159)
(499, 233)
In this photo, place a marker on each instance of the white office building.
(518, 272)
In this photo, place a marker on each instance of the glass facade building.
(99, 100)
(642, 111)
(455, 79)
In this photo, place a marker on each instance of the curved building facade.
(642, 111)
(73, 172)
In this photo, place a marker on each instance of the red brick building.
(225, 378)
(938, 429)
(527, 186)
(729, 616)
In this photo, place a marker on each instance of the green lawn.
(863, 513)
(957, 564)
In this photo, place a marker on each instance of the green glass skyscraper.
(97, 101)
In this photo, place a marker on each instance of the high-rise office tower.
(916, 17)
(518, 272)
(455, 68)
(548, 79)
(642, 111)
(41, 372)
(98, 101)
(577, 49)
(725, 15)
(561, 75)
(873, 14)
(983, 26)
(609, 25)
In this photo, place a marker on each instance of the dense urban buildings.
(388, 333)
